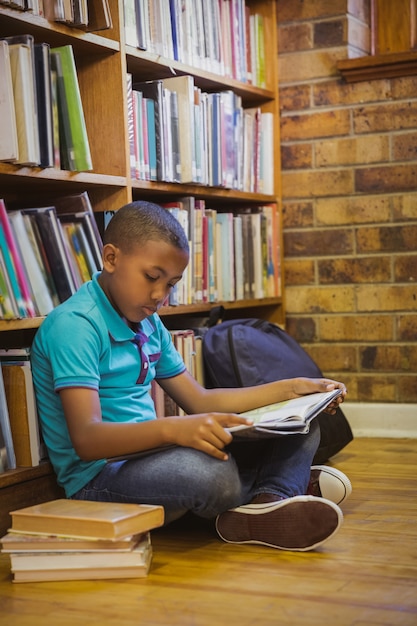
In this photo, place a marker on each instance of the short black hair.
(139, 222)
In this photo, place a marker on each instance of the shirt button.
(145, 366)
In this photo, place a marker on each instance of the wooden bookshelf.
(102, 61)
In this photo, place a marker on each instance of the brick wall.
(349, 186)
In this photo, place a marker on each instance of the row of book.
(189, 343)
(234, 256)
(21, 442)
(41, 112)
(178, 133)
(46, 254)
(221, 36)
(89, 15)
(81, 540)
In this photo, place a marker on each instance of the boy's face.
(138, 283)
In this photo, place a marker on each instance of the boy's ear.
(109, 257)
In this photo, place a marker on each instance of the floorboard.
(365, 576)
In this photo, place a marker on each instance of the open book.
(285, 418)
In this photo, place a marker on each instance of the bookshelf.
(103, 61)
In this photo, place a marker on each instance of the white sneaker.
(329, 483)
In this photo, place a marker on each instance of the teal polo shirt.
(85, 343)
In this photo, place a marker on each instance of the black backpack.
(246, 352)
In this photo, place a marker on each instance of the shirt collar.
(117, 328)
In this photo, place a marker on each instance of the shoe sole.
(298, 524)
(327, 489)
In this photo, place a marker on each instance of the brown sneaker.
(329, 483)
(300, 523)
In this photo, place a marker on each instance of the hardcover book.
(72, 565)
(84, 518)
(23, 417)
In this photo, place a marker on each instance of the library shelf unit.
(103, 60)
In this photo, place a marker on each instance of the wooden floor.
(365, 576)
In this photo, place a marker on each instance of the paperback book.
(285, 418)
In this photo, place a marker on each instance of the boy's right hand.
(205, 432)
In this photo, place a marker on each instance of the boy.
(93, 360)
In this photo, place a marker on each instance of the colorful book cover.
(69, 93)
(15, 269)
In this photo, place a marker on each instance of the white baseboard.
(381, 420)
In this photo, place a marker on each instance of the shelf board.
(185, 309)
(151, 66)
(380, 66)
(20, 474)
(161, 190)
(205, 307)
(14, 22)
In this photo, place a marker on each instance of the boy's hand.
(303, 386)
(205, 432)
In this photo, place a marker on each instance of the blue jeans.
(184, 479)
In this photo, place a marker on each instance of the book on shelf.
(8, 309)
(95, 562)
(88, 519)
(78, 207)
(99, 15)
(153, 89)
(15, 266)
(42, 59)
(9, 149)
(53, 241)
(183, 86)
(22, 63)
(285, 418)
(8, 457)
(23, 417)
(32, 262)
(75, 150)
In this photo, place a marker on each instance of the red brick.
(296, 156)
(407, 388)
(314, 300)
(352, 210)
(299, 272)
(355, 328)
(404, 207)
(386, 179)
(297, 214)
(406, 326)
(404, 87)
(294, 37)
(307, 184)
(389, 358)
(301, 328)
(315, 125)
(301, 10)
(405, 268)
(377, 388)
(385, 117)
(295, 98)
(336, 93)
(387, 238)
(330, 33)
(401, 298)
(309, 65)
(358, 150)
(341, 358)
(314, 242)
(355, 270)
(404, 147)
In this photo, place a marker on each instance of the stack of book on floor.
(80, 540)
